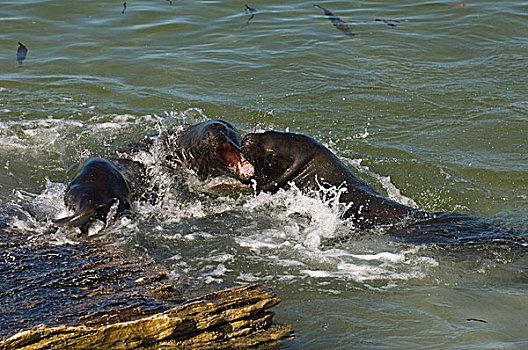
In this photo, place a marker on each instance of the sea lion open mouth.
(210, 149)
(230, 156)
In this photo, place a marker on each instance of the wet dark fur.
(210, 149)
(198, 148)
(96, 187)
(203, 148)
(281, 158)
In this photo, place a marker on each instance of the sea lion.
(96, 187)
(210, 149)
(281, 158)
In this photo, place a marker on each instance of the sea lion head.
(212, 148)
(278, 157)
(97, 186)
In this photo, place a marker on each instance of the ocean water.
(432, 112)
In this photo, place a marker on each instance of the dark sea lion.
(336, 21)
(281, 158)
(97, 186)
(210, 149)
(141, 185)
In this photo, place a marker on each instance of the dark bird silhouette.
(21, 52)
(336, 21)
(250, 10)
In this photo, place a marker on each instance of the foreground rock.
(92, 295)
(232, 318)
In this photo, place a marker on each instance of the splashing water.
(212, 238)
(288, 232)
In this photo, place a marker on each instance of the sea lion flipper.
(79, 218)
(284, 178)
(84, 215)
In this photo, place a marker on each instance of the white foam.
(248, 277)
(300, 223)
(384, 256)
(220, 270)
(209, 280)
(194, 236)
(390, 267)
(64, 236)
(223, 258)
(175, 257)
(385, 181)
(96, 228)
(257, 244)
(317, 273)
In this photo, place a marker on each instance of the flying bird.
(251, 10)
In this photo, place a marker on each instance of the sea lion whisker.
(195, 148)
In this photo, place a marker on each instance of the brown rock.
(231, 318)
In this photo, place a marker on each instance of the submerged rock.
(69, 284)
(90, 295)
(232, 318)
